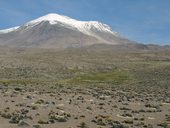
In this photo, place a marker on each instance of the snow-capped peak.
(83, 26)
(53, 19)
(86, 27)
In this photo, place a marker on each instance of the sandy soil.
(73, 107)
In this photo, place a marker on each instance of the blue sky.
(144, 21)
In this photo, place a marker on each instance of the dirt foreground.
(79, 107)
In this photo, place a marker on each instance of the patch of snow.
(165, 103)
(124, 117)
(9, 30)
(151, 118)
(91, 100)
(60, 105)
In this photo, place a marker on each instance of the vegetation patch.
(114, 76)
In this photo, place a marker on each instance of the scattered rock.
(23, 123)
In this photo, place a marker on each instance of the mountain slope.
(57, 31)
